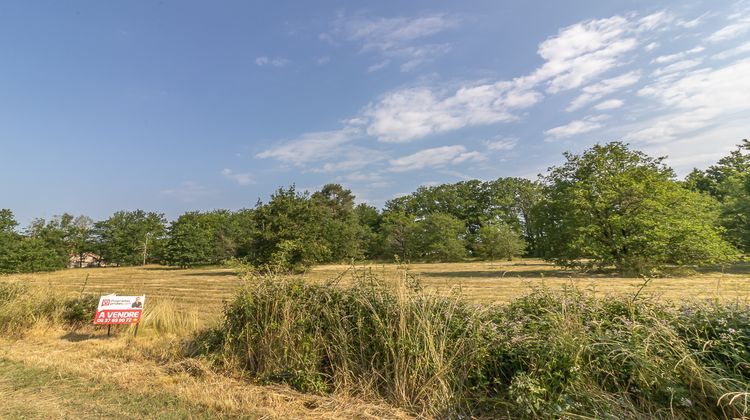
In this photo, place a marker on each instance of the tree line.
(610, 206)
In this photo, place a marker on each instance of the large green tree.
(510, 201)
(341, 229)
(130, 237)
(613, 206)
(400, 235)
(289, 231)
(440, 237)
(191, 241)
(43, 250)
(729, 182)
(499, 241)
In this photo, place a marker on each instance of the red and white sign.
(114, 309)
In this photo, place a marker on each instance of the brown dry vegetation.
(487, 282)
(57, 374)
(53, 373)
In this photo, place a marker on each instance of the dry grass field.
(488, 282)
(51, 373)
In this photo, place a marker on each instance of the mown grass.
(33, 392)
(205, 289)
(549, 354)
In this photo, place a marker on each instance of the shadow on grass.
(77, 336)
(161, 268)
(500, 273)
(736, 268)
(213, 274)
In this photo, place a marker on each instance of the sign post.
(119, 310)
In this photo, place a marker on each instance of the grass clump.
(165, 317)
(22, 307)
(410, 348)
(545, 355)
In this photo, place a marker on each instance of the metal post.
(109, 329)
(135, 333)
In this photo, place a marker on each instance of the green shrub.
(80, 310)
(548, 355)
(410, 348)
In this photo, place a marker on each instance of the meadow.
(204, 289)
(54, 370)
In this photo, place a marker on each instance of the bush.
(547, 354)
(80, 310)
(410, 348)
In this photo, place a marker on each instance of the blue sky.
(175, 105)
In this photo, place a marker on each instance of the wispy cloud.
(437, 156)
(240, 178)
(311, 147)
(601, 89)
(733, 52)
(609, 104)
(663, 59)
(396, 38)
(271, 61)
(733, 30)
(576, 127)
(501, 144)
(378, 66)
(188, 192)
(697, 100)
(677, 67)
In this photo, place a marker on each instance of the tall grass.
(413, 349)
(549, 354)
(164, 317)
(24, 307)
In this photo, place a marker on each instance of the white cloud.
(359, 176)
(656, 20)
(239, 178)
(407, 114)
(738, 50)
(576, 127)
(311, 147)
(399, 38)
(677, 67)
(416, 56)
(700, 99)
(610, 104)
(577, 55)
(271, 61)
(389, 33)
(323, 60)
(601, 89)
(677, 56)
(378, 66)
(349, 158)
(438, 156)
(732, 30)
(581, 52)
(652, 46)
(689, 24)
(188, 191)
(501, 143)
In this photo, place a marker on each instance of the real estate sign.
(114, 309)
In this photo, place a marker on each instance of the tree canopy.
(610, 206)
(615, 206)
